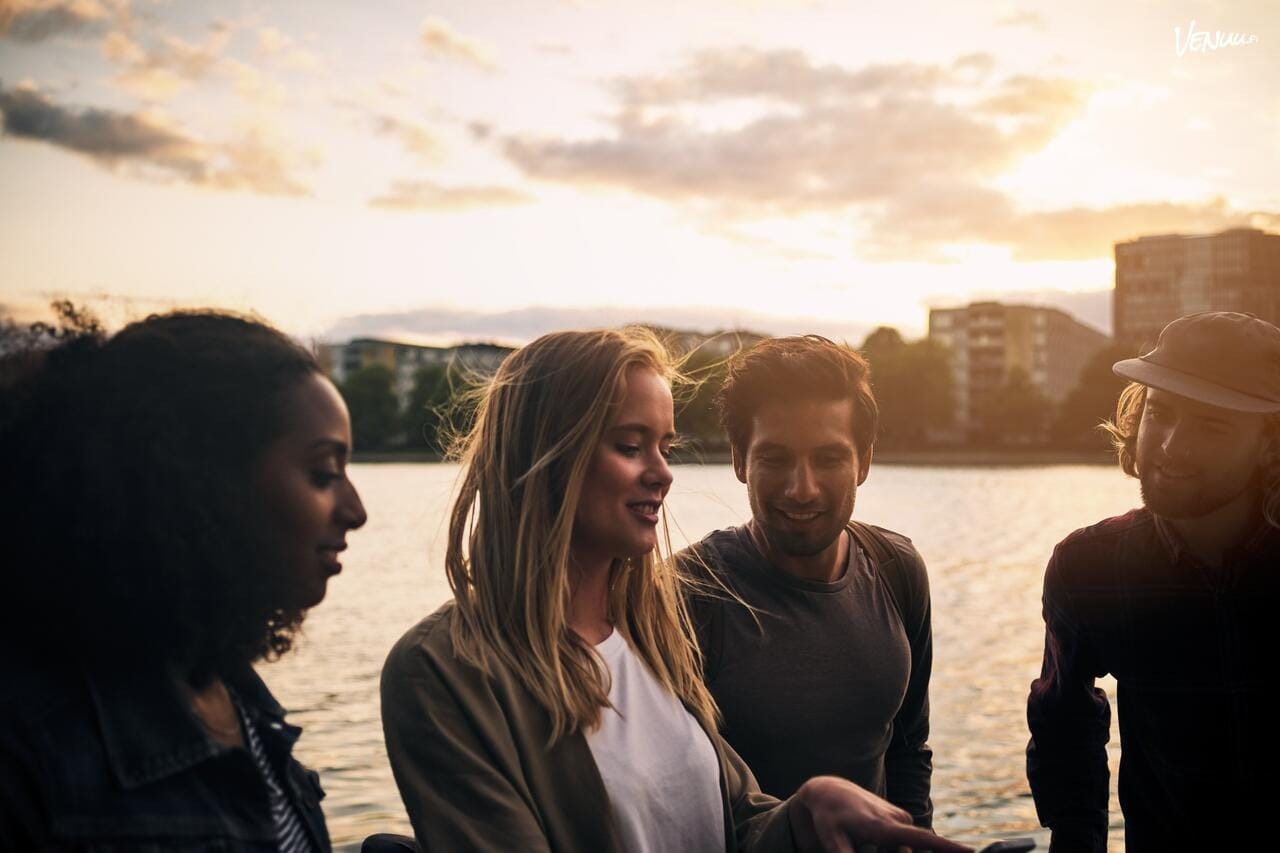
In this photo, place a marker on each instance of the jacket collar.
(1262, 539)
(148, 728)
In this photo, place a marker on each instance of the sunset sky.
(447, 170)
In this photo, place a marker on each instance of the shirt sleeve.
(704, 602)
(909, 760)
(761, 823)
(1070, 723)
(456, 797)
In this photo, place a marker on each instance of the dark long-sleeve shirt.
(834, 679)
(1193, 650)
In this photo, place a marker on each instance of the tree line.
(912, 381)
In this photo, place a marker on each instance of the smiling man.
(822, 664)
(1177, 600)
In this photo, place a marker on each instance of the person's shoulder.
(1088, 557)
(716, 553)
(1108, 532)
(908, 560)
(36, 692)
(427, 658)
(899, 542)
(431, 639)
(49, 727)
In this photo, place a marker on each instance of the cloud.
(166, 65)
(442, 40)
(169, 65)
(928, 218)
(428, 195)
(906, 154)
(108, 137)
(145, 145)
(521, 325)
(37, 20)
(278, 46)
(812, 138)
(415, 137)
(1022, 18)
(253, 84)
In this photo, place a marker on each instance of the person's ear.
(739, 464)
(864, 464)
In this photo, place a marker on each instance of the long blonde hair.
(536, 428)
(1123, 432)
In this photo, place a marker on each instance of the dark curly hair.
(797, 368)
(126, 464)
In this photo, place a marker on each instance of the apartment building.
(1160, 278)
(989, 340)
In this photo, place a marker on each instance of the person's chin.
(639, 548)
(312, 593)
(800, 543)
(1176, 509)
(1170, 502)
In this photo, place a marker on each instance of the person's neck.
(589, 599)
(826, 566)
(1209, 537)
(212, 705)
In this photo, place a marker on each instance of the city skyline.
(470, 170)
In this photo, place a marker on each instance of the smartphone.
(1011, 845)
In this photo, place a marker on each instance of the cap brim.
(1193, 387)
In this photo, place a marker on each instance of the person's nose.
(802, 487)
(658, 475)
(351, 513)
(1177, 441)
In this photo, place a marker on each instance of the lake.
(985, 533)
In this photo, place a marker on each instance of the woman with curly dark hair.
(175, 498)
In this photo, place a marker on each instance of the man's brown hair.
(797, 368)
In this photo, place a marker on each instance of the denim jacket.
(110, 763)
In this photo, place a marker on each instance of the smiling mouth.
(799, 516)
(329, 557)
(647, 510)
(1175, 474)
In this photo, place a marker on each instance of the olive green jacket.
(470, 756)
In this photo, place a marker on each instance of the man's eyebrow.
(1203, 417)
(766, 446)
(1213, 419)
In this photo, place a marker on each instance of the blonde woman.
(556, 703)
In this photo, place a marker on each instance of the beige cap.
(1223, 358)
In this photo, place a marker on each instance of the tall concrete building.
(990, 340)
(1161, 278)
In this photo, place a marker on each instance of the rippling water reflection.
(985, 533)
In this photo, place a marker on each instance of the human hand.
(832, 815)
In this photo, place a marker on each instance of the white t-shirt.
(658, 766)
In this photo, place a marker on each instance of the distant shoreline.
(934, 457)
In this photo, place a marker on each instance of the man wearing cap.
(1179, 602)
